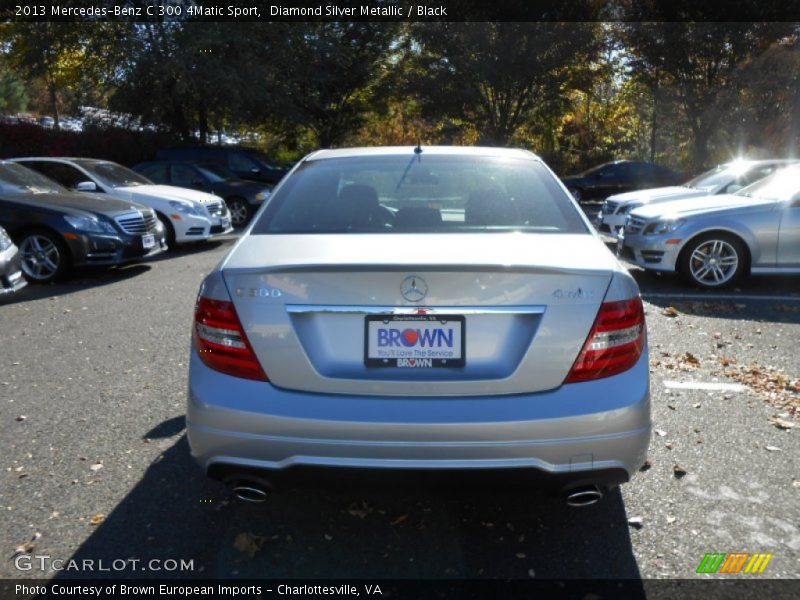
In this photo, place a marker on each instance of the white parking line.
(704, 385)
(647, 295)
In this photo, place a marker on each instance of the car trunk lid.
(523, 304)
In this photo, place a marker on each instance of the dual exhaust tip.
(256, 491)
(584, 496)
(250, 489)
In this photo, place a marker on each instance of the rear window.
(421, 194)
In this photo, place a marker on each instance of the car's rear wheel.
(43, 256)
(714, 260)
(240, 211)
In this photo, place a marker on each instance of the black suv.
(243, 162)
(598, 183)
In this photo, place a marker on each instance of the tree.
(327, 76)
(695, 64)
(66, 56)
(495, 74)
(13, 97)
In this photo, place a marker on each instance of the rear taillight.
(614, 344)
(221, 341)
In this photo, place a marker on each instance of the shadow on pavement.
(192, 248)
(167, 429)
(175, 512)
(82, 279)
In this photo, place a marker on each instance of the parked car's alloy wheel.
(240, 211)
(169, 231)
(43, 256)
(576, 193)
(714, 260)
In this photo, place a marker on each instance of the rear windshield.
(425, 194)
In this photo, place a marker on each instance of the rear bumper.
(587, 433)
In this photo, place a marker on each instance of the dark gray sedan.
(56, 229)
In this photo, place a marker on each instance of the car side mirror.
(86, 186)
(733, 188)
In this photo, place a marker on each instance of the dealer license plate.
(415, 341)
(148, 241)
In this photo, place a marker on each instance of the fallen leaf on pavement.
(772, 449)
(249, 543)
(97, 519)
(96, 467)
(28, 547)
(359, 511)
(21, 418)
(670, 311)
(660, 432)
(690, 359)
(399, 519)
(781, 423)
(678, 471)
(671, 520)
(646, 466)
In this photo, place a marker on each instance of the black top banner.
(398, 10)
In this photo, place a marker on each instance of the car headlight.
(263, 195)
(5, 241)
(89, 224)
(186, 208)
(663, 226)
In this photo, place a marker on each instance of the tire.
(714, 260)
(169, 231)
(240, 211)
(576, 193)
(43, 256)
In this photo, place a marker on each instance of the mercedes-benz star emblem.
(413, 288)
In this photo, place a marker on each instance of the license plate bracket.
(415, 341)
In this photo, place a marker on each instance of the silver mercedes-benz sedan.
(716, 240)
(416, 311)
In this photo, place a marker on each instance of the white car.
(723, 179)
(187, 215)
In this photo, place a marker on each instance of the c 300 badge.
(262, 292)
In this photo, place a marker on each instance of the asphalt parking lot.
(95, 463)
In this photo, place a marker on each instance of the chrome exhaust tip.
(584, 496)
(249, 490)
